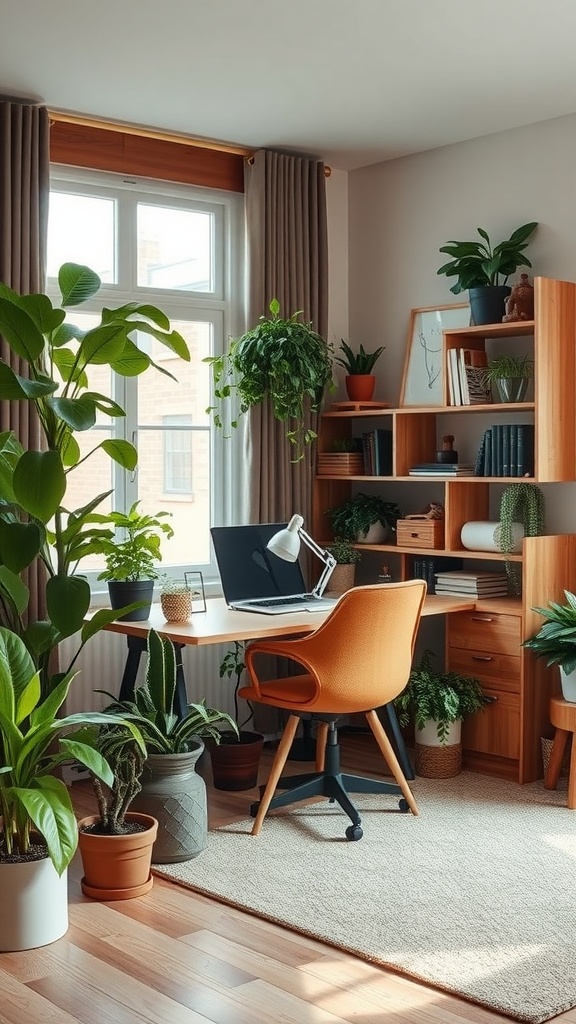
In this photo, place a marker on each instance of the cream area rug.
(476, 895)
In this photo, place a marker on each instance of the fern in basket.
(443, 697)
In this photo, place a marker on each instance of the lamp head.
(286, 543)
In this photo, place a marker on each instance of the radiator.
(101, 664)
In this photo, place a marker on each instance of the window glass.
(82, 229)
(174, 248)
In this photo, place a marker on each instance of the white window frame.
(224, 307)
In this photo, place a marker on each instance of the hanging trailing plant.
(282, 360)
(520, 503)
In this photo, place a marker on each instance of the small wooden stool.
(563, 716)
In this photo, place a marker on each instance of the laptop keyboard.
(274, 602)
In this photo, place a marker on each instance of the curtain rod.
(149, 133)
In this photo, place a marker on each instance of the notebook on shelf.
(256, 580)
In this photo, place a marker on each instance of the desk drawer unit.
(496, 730)
(492, 632)
(500, 671)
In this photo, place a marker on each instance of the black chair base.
(331, 783)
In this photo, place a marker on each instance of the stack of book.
(472, 584)
(442, 469)
(506, 449)
(427, 568)
(466, 377)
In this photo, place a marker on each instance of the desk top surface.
(220, 624)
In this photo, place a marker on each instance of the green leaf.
(77, 413)
(50, 808)
(131, 362)
(105, 404)
(122, 452)
(42, 312)
(67, 601)
(20, 331)
(16, 389)
(16, 590)
(20, 543)
(103, 344)
(40, 483)
(77, 283)
(65, 361)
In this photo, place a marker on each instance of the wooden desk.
(220, 624)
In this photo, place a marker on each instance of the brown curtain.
(24, 195)
(287, 259)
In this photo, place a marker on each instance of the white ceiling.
(352, 81)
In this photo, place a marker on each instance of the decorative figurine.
(520, 302)
(447, 453)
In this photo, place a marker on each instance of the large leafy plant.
(282, 360)
(152, 708)
(476, 264)
(443, 697)
(34, 741)
(35, 522)
(556, 638)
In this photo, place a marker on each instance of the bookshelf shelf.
(507, 741)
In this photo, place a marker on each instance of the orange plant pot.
(117, 867)
(360, 386)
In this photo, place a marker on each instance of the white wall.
(338, 260)
(402, 211)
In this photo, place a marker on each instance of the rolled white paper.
(485, 536)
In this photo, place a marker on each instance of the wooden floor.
(173, 957)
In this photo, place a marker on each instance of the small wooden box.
(340, 464)
(420, 533)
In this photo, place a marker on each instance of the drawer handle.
(482, 618)
(484, 657)
(413, 534)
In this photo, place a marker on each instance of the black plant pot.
(123, 592)
(488, 304)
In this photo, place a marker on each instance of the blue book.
(513, 449)
(506, 460)
(488, 454)
(525, 450)
(383, 450)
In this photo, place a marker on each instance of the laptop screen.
(248, 570)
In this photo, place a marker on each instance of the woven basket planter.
(176, 607)
(438, 762)
(546, 752)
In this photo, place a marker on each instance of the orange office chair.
(357, 660)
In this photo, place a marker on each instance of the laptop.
(256, 580)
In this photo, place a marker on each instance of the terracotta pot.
(235, 764)
(117, 867)
(360, 386)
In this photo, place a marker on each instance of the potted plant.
(364, 519)
(281, 360)
(360, 381)
(345, 458)
(510, 375)
(131, 562)
(437, 702)
(235, 753)
(171, 791)
(556, 641)
(484, 270)
(39, 832)
(344, 573)
(35, 522)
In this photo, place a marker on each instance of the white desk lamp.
(286, 544)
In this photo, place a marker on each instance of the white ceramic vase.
(568, 681)
(428, 736)
(376, 534)
(34, 902)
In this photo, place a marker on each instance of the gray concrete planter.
(174, 793)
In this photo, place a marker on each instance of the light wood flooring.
(173, 957)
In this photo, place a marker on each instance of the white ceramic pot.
(568, 681)
(376, 534)
(34, 902)
(428, 736)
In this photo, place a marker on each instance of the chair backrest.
(361, 655)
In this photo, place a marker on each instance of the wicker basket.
(176, 607)
(441, 762)
(547, 745)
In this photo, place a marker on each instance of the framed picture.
(423, 377)
(195, 581)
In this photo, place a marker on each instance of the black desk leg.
(136, 647)
(390, 723)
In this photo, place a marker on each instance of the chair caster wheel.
(354, 833)
(254, 810)
(404, 806)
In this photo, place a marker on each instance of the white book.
(463, 377)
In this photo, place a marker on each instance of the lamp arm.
(325, 556)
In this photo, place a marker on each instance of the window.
(179, 248)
